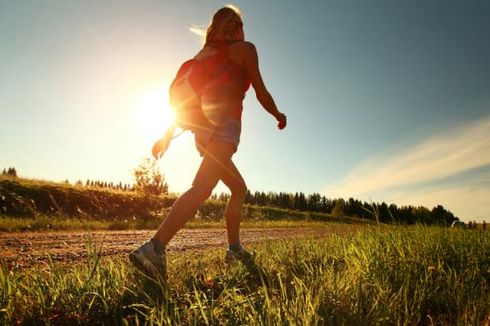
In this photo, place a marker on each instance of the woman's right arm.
(251, 62)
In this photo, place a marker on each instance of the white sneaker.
(148, 261)
(242, 255)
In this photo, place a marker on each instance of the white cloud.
(447, 154)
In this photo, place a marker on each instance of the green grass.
(44, 223)
(392, 275)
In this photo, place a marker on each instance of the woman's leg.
(234, 181)
(211, 170)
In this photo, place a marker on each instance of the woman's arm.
(263, 96)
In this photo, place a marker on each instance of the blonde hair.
(223, 26)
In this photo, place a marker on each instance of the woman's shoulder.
(245, 48)
(243, 44)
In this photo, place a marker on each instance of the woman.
(223, 108)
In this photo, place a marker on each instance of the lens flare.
(153, 114)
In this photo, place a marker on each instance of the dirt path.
(33, 248)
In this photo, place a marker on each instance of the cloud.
(404, 176)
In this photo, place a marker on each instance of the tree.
(249, 198)
(443, 216)
(338, 209)
(148, 178)
(12, 172)
(422, 215)
(314, 202)
(301, 203)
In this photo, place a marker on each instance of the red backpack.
(185, 95)
(207, 76)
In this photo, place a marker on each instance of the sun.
(153, 114)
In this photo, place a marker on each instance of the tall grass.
(394, 275)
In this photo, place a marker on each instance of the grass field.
(388, 275)
(45, 223)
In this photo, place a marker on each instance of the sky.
(387, 100)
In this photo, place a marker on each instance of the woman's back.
(227, 80)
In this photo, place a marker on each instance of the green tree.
(442, 216)
(338, 209)
(422, 215)
(148, 178)
(12, 172)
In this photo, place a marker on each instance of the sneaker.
(242, 256)
(148, 261)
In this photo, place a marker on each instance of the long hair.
(224, 25)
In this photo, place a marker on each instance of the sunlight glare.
(153, 114)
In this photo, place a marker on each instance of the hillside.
(28, 198)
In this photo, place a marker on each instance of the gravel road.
(33, 248)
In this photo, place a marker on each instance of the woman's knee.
(239, 189)
(202, 191)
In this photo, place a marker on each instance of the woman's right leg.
(185, 207)
(234, 181)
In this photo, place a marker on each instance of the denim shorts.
(228, 131)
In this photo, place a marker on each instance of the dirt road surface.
(33, 248)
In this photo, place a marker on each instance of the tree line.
(12, 172)
(381, 212)
(107, 185)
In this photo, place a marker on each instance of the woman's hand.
(282, 120)
(158, 148)
(162, 144)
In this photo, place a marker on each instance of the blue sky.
(386, 100)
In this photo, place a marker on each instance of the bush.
(149, 179)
